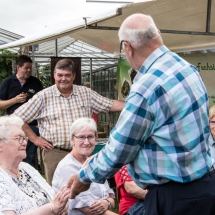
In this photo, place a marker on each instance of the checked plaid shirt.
(163, 129)
(55, 113)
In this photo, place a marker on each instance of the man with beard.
(17, 90)
(55, 109)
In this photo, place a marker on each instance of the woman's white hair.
(6, 122)
(82, 124)
(139, 38)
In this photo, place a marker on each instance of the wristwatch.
(109, 204)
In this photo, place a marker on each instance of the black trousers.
(194, 198)
(31, 149)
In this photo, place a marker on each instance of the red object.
(95, 117)
(126, 200)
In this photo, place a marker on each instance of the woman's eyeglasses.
(90, 138)
(19, 138)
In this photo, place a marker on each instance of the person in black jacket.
(18, 89)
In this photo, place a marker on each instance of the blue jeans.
(137, 209)
(31, 149)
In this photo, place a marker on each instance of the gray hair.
(6, 122)
(82, 124)
(65, 64)
(139, 38)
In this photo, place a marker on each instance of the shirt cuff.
(83, 178)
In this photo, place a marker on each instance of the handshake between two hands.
(59, 204)
(71, 190)
(76, 186)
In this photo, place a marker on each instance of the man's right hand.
(42, 143)
(76, 186)
(21, 97)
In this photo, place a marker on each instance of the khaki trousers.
(51, 160)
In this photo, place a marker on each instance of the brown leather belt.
(59, 148)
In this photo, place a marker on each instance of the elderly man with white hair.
(163, 130)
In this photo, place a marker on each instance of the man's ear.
(129, 50)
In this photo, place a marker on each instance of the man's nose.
(63, 77)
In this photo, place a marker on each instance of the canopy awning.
(169, 15)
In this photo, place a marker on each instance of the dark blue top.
(11, 87)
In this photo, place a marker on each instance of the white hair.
(82, 124)
(139, 38)
(6, 122)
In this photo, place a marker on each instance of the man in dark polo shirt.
(18, 89)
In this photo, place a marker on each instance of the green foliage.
(2, 112)
(100, 127)
(116, 209)
(45, 75)
(6, 64)
(6, 67)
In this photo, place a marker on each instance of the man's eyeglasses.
(121, 51)
(19, 138)
(81, 139)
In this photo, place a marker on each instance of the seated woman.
(99, 198)
(131, 197)
(22, 189)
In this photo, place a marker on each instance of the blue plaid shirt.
(163, 130)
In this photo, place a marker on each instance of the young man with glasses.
(163, 130)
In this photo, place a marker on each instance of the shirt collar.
(150, 61)
(58, 93)
(75, 90)
(14, 77)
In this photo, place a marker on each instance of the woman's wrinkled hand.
(60, 200)
(98, 207)
(65, 210)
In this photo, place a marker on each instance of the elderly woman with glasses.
(99, 199)
(22, 189)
